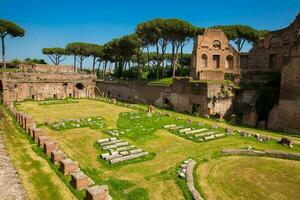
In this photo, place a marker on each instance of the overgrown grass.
(163, 82)
(66, 179)
(61, 101)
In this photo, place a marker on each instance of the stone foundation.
(57, 156)
(50, 146)
(97, 193)
(80, 181)
(67, 166)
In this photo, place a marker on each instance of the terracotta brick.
(36, 133)
(68, 166)
(50, 146)
(57, 156)
(97, 192)
(42, 139)
(80, 181)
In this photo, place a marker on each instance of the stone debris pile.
(183, 169)
(201, 134)
(115, 132)
(119, 150)
(92, 122)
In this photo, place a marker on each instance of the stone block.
(68, 166)
(50, 146)
(57, 156)
(97, 192)
(28, 122)
(80, 181)
(36, 133)
(42, 139)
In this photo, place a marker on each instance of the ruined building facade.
(41, 82)
(277, 53)
(213, 57)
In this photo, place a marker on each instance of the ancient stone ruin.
(119, 150)
(40, 82)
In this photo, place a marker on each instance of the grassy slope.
(36, 176)
(152, 175)
(250, 178)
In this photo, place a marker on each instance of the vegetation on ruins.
(56, 54)
(11, 29)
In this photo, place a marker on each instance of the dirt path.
(10, 187)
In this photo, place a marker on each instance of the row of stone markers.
(201, 134)
(79, 180)
(119, 150)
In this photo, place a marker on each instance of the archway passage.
(229, 62)
(79, 86)
(204, 61)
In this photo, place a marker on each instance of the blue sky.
(50, 23)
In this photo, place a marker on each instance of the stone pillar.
(80, 181)
(57, 156)
(23, 120)
(36, 133)
(42, 139)
(68, 166)
(28, 122)
(97, 192)
(50, 146)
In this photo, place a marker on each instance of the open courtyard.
(155, 175)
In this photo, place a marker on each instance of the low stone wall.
(269, 153)
(80, 181)
(183, 95)
(190, 180)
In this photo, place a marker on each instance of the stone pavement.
(10, 186)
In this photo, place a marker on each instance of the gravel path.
(10, 187)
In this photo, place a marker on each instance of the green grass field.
(240, 177)
(153, 178)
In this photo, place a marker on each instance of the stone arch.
(204, 61)
(274, 42)
(79, 86)
(217, 44)
(229, 62)
(286, 39)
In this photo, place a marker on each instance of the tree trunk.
(148, 56)
(181, 54)
(3, 52)
(175, 58)
(94, 62)
(157, 61)
(81, 60)
(104, 70)
(74, 63)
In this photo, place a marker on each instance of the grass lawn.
(241, 177)
(150, 179)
